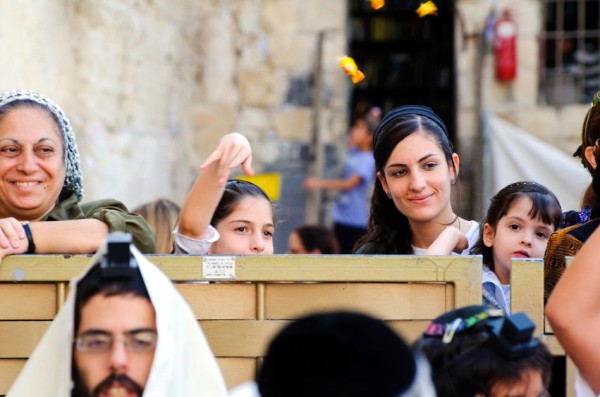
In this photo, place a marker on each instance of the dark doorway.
(406, 59)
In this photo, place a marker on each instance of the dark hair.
(162, 216)
(388, 230)
(316, 237)
(590, 137)
(93, 283)
(472, 362)
(235, 191)
(545, 206)
(337, 354)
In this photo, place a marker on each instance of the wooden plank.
(9, 369)
(19, 338)
(386, 301)
(222, 301)
(527, 290)
(384, 268)
(237, 370)
(240, 338)
(27, 301)
(410, 331)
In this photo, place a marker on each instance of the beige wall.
(150, 86)
(517, 102)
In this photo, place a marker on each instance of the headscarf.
(73, 176)
(183, 364)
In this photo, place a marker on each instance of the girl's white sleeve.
(191, 246)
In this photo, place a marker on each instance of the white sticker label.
(218, 267)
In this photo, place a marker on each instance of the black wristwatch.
(30, 243)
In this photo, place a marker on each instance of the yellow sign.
(270, 183)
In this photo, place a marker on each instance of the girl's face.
(418, 178)
(516, 236)
(248, 229)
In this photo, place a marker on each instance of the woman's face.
(248, 230)
(32, 170)
(418, 178)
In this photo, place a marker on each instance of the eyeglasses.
(139, 341)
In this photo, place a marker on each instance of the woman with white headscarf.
(41, 180)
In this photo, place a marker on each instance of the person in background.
(411, 203)
(351, 206)
(41, 186)
(339, 354)
(124, 330)
(312, 239)
(520, 219)
(221, 216)
(162, 215)
(578, 225)
(477, 352)
(573, 310)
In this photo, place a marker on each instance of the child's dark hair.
(472, 362)
(316, 237)
(545, 206)
(388, 230)
(235, 191)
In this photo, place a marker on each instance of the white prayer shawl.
(183, 365)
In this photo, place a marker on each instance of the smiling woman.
(411, 210)
(41, 180)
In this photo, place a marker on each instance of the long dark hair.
(590, 137)
(388, 230)
(235, 191)
(545, 206)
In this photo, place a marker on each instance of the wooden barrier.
(527, 295)
(255, 297)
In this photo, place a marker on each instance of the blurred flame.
(351, 69)
(427, 8)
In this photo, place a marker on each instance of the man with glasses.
(123, 331)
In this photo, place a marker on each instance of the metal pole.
(315, 150)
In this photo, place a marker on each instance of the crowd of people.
(117, 335)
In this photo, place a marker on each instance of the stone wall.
(517, 102)
(151, 85)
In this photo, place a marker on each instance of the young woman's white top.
(472, 237)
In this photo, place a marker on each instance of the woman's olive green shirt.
(113, 213)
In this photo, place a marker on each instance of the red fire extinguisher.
(505, 47)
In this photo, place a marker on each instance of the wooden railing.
(527, 295)
(241, 313)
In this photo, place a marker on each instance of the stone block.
(540, 121)
(279, 15)
(293, 123)
(293, 52)
(321, 15)
(220, 59)
(262, 88)
(209, 123)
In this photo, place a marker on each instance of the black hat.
(337, 354)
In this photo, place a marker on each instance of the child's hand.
(233, 150)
